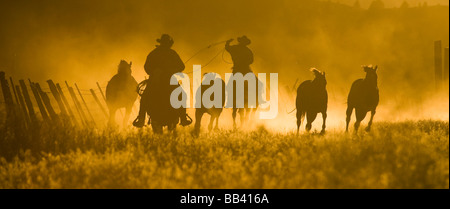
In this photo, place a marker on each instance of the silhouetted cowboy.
(242, 58)
(160, 65)
(241, 55)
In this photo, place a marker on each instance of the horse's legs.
(242, 115)
(251, 113)
(127, 116)
(217, 122)
(157, 129)
(234, 117)
(324, 117)
(198, 120)
(300, 116)
(310, 117)
(349, 116)
(360, 115)
(112, 116)
(372, 114)
(245, 113)
(211, 121)
(173, 129)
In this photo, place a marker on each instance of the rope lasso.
(142, 85)
(203, 49)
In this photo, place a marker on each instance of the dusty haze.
(83, 41)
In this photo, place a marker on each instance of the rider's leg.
(184, 117)
(140, 120)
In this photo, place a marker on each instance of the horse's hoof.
(367, 129)
(322, 132)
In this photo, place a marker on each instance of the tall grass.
(393, 155)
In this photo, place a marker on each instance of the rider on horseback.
(161, 64)
(241, 55)
(242, 58)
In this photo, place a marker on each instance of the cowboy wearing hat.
(160, 65)
(241, 55)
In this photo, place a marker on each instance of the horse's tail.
(301, 111)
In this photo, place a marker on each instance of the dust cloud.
(83, 41)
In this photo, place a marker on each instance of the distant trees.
(376, 5)
(404, 5)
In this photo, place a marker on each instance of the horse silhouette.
(363, 97)
(214, 112)
(312, 98)
(121, 92)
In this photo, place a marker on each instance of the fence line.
(30, 100)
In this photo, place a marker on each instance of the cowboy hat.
(244, 40)
(165, 39)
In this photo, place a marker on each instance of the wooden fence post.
(77, 105)
(39, 102)
(438, 62)
(47, 103)
(22, 105)
(28, 102)
(19, 108)
(66, 103)
(7, 95)
(14, 90)
(85, 105)
(101, 91)
(57, 97)
(98, 103)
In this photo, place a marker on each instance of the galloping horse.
(312, 98)
(121, 92)
(214, 112)
(363, 97)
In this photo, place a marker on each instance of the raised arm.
(227, 45)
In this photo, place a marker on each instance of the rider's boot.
(139, 122)
(185, 120)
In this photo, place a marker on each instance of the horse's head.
(124, 68)
(320, 78)
(371, 74)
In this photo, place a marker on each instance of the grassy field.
(393, 155)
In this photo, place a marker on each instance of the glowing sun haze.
(83, 41)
